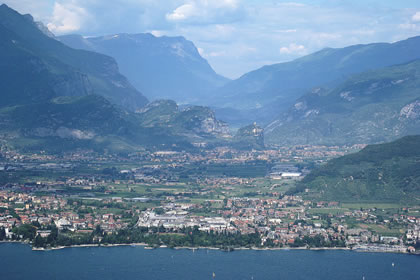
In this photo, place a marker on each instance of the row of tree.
(187, 237)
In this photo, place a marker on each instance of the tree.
(27, 231)
(39, 242)
(98, 230)
(2, 234)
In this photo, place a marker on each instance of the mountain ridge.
(371, 107)
(268, 91)
(56, 99)
(69, 71)
(161, 67)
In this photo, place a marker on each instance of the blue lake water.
(18, 261)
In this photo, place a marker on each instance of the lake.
(18, 261)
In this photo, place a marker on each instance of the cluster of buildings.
(179, 221)
(279, 221)
(18, 209)
(283, 222)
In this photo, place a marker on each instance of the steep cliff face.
(411, 111)
(160, 67)
(213, 126)
(195, 119)
(201, 120)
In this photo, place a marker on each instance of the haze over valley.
(227, 124)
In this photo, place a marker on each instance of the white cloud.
(67, 18)
(183, 12)
(409, 27)
(157, 33)
(416, 17)
(293, 48)
(205, 11)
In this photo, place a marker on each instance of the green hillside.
(249, 137)
(35, 67)
(371, 107)
(383, 172)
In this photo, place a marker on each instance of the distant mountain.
(375, 106)
(35, 67)
(266, 92)
(160, 67)
(387, 172)
(55, 99)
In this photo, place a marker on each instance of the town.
(161, 198)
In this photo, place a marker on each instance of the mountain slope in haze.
(371, 107)
(56, 99)
(275, 87)
(92, 122)
(386, 172)
(160, 67)
(35, 67)
(68, 122)
(194, 120)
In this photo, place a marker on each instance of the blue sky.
(237, 36)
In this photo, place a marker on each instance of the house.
(43, 233)
(62, 224)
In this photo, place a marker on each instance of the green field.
(368, 205)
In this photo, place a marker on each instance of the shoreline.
(148, 247)
(88, 246)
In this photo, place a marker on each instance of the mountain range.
(358, 94)
(293, 101)
(371, 107)
(56, 98)
(160, 67)
(264, 94)
(283, 83)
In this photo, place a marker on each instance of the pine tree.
(2, 234)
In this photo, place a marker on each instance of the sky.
(236, 36)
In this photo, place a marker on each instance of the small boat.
(393, 264)
(214, 275)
